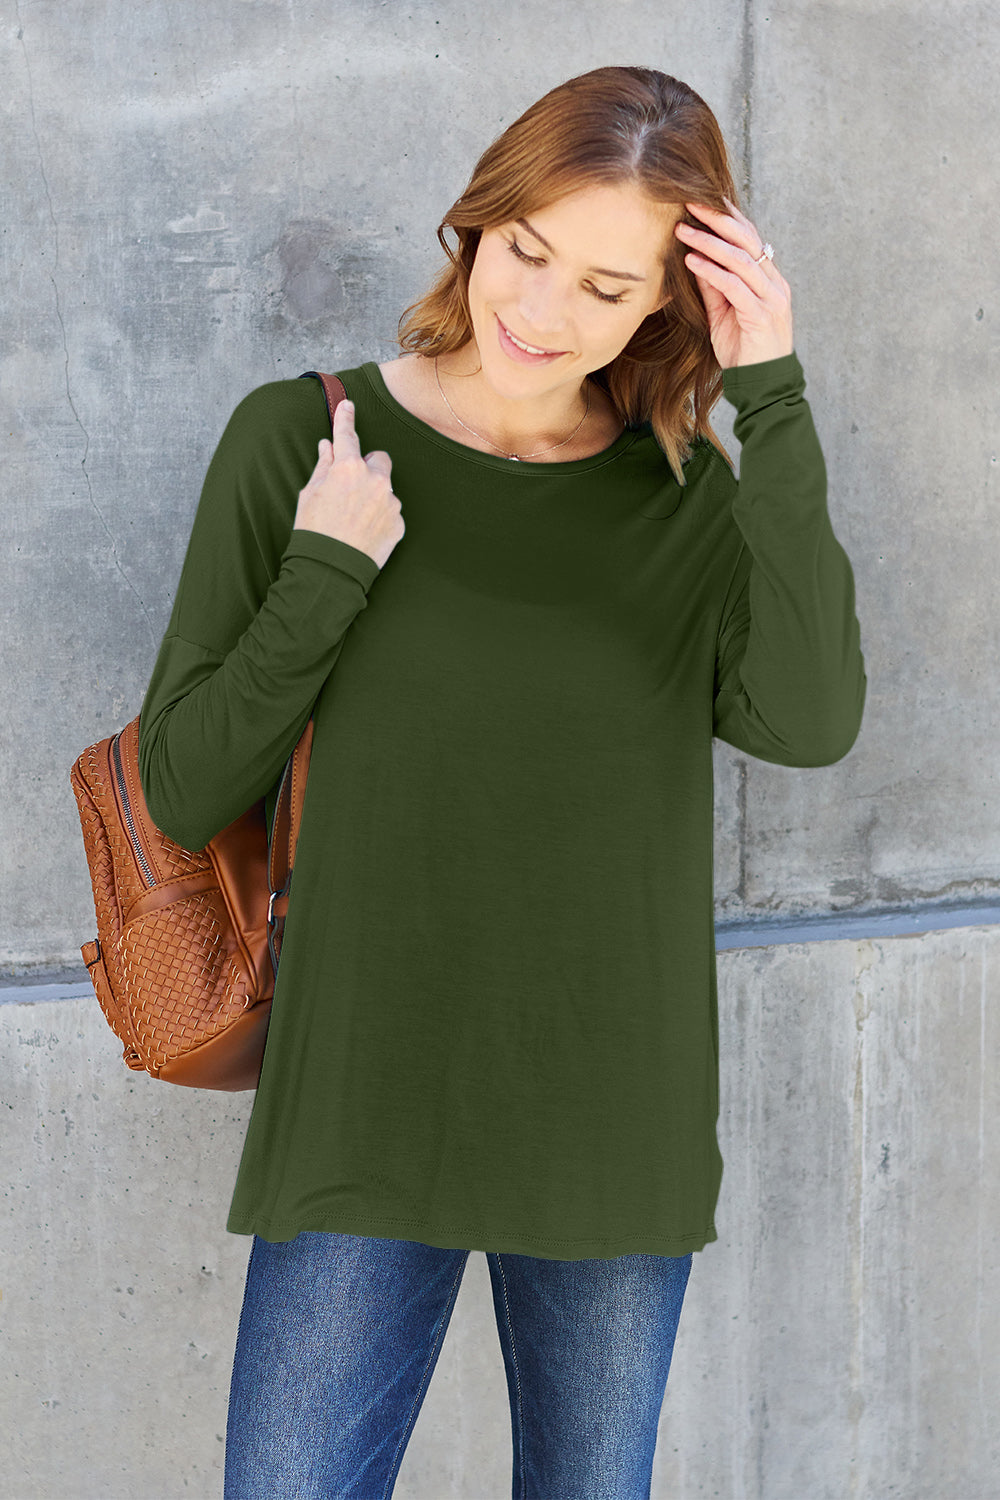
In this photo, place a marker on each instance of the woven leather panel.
(103, 882)
(172, 860)
(117, 889)
(181, 975)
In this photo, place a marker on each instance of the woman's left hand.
(749, 304)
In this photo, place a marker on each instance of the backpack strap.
(333, 389)
(282, 838)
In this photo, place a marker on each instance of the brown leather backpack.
(188, 941)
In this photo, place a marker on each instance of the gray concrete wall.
(198, 199)
(839, 1341)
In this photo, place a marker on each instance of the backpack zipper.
(127, 810)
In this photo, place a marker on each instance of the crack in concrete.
(747, 66)
(741, 815)
(985, 1404)
(62, 326)
(296, 118)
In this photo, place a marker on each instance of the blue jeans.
(340, 1333)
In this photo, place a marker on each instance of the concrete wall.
(198, 199)
(839, 1341)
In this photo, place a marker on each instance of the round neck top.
(621, 444)
(495, 1021)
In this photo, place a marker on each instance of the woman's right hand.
(349, 497)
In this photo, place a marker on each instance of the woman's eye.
(532, 260)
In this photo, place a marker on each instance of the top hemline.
(512, 1244)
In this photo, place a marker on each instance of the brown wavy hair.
(611, 126)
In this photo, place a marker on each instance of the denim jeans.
(340, 1333)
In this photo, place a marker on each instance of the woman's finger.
(742, 219)
(732, 286)
(323, 461)
(717, 304)
(346, 443)
(729, 255)
(732, 227)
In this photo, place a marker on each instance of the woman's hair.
(612, 126)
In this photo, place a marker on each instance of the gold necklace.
(517, 457)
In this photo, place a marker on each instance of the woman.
(495, 1024)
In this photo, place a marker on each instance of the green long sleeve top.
(495, 1023)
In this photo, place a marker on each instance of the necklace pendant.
(515, 458)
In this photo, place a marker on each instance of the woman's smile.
(523, 356)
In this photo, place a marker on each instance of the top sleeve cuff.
(759, 384)
(337, 554)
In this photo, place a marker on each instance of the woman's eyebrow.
(600, 270)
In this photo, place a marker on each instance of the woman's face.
(557, 302)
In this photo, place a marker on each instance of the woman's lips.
(520, 355)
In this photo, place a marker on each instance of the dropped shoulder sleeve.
(258, 621)
(790, 680)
